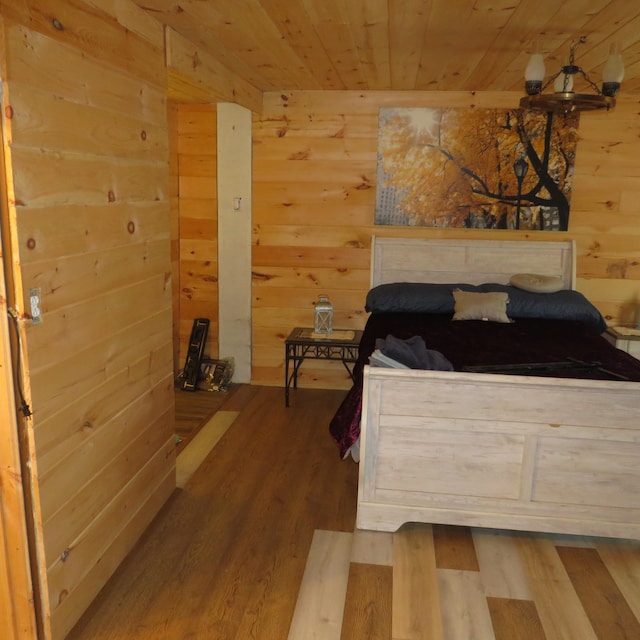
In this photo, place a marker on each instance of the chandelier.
(564, 99)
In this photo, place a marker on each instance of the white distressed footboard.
(499, 451)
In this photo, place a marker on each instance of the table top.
(628, 333)
(302, 335)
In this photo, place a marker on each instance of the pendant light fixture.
(563, 98)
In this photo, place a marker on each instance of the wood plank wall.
(17, 602)
(17, 613)
(198, 223)
(85, 100)
(314, 199)
(174, 199)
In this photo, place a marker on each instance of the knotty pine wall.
(16, 593)
(87, 161)
(198, 224)
(314, 200)
(174, 230)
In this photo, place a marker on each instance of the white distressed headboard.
(469, 261)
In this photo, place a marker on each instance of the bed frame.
(492, 450)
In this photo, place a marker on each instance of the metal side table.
(303, 343)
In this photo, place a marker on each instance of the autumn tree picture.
(477, 168)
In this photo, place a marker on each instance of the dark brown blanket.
(474, 342)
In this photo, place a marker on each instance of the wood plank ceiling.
(444, 45)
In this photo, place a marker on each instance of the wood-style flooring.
(260, 544)
(195, 408)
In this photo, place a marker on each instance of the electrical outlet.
(34, 298)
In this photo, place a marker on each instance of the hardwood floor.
(260, 543)
(194, 408)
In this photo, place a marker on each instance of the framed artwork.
(475, 168)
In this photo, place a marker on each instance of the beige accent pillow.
(470, 305)
(537, 283)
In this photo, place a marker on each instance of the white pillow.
(537, 283)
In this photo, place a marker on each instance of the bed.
(552, 446)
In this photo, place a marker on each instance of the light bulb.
(563, 83)
(613, 72)
(535, 68)
(614, 68)
(534, 74)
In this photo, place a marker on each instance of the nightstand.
(625, 338)
(303, 343)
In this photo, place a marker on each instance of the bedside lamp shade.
(323, 321)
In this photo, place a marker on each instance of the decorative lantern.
(323, 321)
